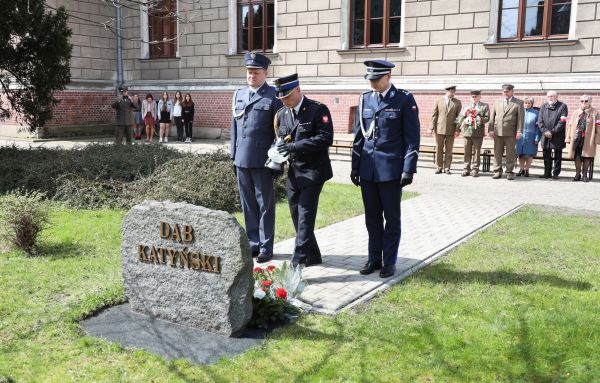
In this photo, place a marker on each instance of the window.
(162, 29)
(256, 20)
(375, 23)
(534, 19)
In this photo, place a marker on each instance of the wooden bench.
(486, 154)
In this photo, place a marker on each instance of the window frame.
(265, 26)
(546, 23)
(173, 40)
(367, 27)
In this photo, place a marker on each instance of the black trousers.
(123, 132)
(179, 125)
(303, 202)
(187, 124)
(552, 166)
(382, 218)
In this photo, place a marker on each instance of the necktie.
(505, 104)
(295, 114)
(251, 95)
(380, 97)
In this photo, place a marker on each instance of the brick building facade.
(471, 43)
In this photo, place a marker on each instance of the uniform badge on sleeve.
(414, 108)
(325, 120)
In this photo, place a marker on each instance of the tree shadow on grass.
(294, 331)
(63, 250)
(445, 273)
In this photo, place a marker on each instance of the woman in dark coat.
(188, 116)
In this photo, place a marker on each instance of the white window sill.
(529, 43)
(371, 50)
(241, 55)
(159, 59)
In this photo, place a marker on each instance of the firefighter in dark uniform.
(306, 132)
(252, 133)
(384, 158)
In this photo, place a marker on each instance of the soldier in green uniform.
(472, 123)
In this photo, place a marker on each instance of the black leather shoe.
(585, 178)
(387, 271)
(298, 261)
(370, 267)
(312, 261)
(577, 178)
(255, 253)
(554, 177)
(262, 258)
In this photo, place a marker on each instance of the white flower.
(259, 293)
(290, 279)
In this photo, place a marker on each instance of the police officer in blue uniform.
(306, 133)
(252, 134)
(384, 158)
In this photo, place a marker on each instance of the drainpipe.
(119, 45)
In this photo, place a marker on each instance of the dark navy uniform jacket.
(394, 146)
(252, 131)
(312, 135)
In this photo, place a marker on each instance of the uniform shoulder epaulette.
(404, 91)
(366, 92)
(279, 110)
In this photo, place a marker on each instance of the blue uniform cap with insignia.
(256, 60)
(377, 69)
(285, 85)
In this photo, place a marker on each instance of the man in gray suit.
(252, 133)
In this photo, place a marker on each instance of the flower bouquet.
(275, 293)
(470, 119)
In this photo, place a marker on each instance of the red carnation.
(270, 268)
(267, 283)
(281, 293)
(258, 270)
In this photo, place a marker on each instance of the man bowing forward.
(384, 158)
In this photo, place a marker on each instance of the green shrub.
(45, 169)
(103, 175)
(23, 216)
(207, 180)
(81, 193)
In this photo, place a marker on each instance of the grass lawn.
(517, 303)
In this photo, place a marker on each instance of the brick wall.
(213, 109)
(83, 108)
(94, 47)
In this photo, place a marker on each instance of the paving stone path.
(430, 227)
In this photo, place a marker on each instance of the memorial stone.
(189, 265)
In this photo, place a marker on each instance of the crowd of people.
(136, 116)
(273, 125)
(518, 128)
